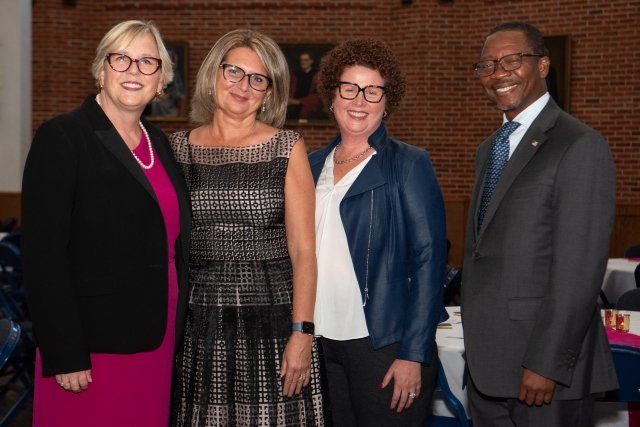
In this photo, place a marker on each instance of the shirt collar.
(529, 114)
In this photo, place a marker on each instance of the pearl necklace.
(351, 159)
(146, 135)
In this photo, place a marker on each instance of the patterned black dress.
(239, 316)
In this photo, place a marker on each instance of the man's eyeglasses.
(372, 93)
(234, 74)
(120, 62)
(508, 63)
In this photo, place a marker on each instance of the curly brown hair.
(368, 53)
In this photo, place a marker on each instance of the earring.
(264, 107)
(159, 93)
(101, 86)
(384, 114)
(331, 108)
(209, 92)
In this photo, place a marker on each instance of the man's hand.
(535, 389)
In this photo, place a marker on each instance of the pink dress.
(127, 390)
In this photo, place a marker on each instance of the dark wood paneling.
(456, 225)
(9, 205)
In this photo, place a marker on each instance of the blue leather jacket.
(394, 219)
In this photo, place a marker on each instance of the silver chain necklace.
(146, 135)
(351, 159)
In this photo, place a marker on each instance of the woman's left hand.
(406, 383)
(296, 364)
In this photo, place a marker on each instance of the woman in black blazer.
(105, 228)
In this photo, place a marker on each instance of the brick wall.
(444, 110)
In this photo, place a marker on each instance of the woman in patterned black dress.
(252, 256)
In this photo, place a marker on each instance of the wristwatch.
(304, 327)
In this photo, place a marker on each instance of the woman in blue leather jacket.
(381, 247)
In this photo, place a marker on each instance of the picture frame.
(559, 77)
(305, 105)
(173, 104)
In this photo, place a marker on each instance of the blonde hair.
(121, 36)
(203, 104)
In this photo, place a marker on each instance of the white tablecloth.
(619, 278)
(451, 347)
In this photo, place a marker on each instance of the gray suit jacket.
(532, 274)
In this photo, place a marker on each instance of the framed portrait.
(559, 77)
(305, 105)
(173, 104)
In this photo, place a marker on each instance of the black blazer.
(94, 242)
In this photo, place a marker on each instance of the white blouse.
(339, 314)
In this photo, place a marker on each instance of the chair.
(604, 301)
(630, 300)
(12, 298)
(8, 224)
(452, 283)
(16, 377)
(14, 372)
(632, 252)
(13, 237)
(626, 360)
(9, 336)
(450, 400)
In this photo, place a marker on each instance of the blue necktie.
(498, 158)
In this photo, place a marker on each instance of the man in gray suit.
(536, 249)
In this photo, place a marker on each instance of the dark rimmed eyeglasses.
(235, 74)
(120, 62)
(372, 93)
(508, 63)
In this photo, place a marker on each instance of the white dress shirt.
(525, 118)
(339, 314)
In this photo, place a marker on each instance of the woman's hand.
(296, 364)
(75, 381)
(406, 383)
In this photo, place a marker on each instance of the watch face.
(307, 328)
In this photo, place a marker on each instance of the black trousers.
(487, 411)
(354, 372)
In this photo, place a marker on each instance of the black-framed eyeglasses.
(120, 62)
(508, 63)
(235, 74)
(372, 93)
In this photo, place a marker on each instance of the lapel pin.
(535, 143)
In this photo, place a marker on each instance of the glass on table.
(623, 321)
(610, 317)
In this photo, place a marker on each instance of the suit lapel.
(369, 178)
(110, 138)
(533, 139)
(481, 170)
(114, 143)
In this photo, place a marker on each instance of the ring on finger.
(412, 395)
